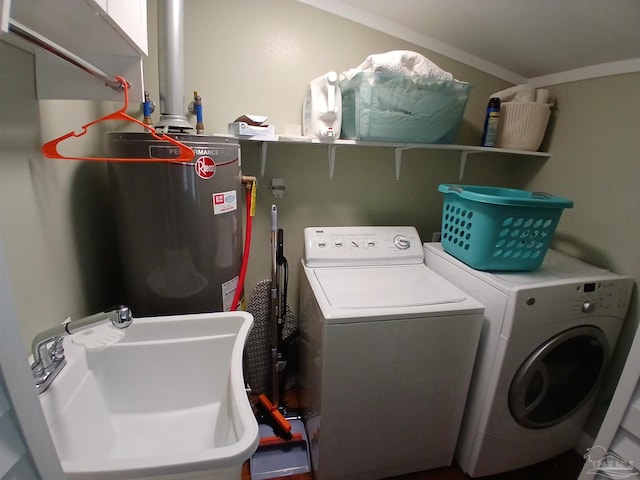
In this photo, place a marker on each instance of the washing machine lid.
(386, 287)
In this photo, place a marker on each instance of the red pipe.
(250, 188)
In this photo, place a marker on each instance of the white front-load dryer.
(545, 345)
(387, 351)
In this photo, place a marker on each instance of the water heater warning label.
(224, 202)
(228, 292)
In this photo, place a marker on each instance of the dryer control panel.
(582, 298)
(603, 296)
(354, 246)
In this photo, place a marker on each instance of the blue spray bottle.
(491, 123)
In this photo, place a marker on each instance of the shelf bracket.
(263, 158)
(398, 156)
(332, 160)
(463, 161)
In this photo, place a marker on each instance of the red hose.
(245, 256)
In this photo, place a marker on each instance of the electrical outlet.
(435, 237)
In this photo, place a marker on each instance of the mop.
(283, 448)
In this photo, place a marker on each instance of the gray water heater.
(179, 224)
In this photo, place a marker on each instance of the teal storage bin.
(499, 229)
(397, 108)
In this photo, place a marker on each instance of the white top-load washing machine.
(387, 350)
(545, 344)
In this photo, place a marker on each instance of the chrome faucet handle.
(57, 349)
(123, 317)
(37, 370)
(48, 362)
(48, 346)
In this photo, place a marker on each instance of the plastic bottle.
(322, 108)
(491, 123)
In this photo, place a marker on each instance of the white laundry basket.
(522, 125)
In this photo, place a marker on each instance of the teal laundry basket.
(499, 229)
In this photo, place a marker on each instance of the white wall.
(54, 218)
(34, 205)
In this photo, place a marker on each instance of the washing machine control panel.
(402, 242)
(353, 246)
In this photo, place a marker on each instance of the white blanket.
(400, 61)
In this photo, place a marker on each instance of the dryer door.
(558, 377)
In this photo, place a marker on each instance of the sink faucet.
(48, 349)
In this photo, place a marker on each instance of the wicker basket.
(522, 125)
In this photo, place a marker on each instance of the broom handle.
(275, 300)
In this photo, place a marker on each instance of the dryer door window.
(558, 377)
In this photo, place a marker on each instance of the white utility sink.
(166, 401)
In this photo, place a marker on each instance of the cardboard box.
(253, 132)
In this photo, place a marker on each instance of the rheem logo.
(205, 167)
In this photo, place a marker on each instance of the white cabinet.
(111, 35)
(128, 17)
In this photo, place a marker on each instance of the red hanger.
(50, 149)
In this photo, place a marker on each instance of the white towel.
(403, 62)
(523, 93)
(543, 96)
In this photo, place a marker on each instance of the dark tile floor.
(563, 467)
